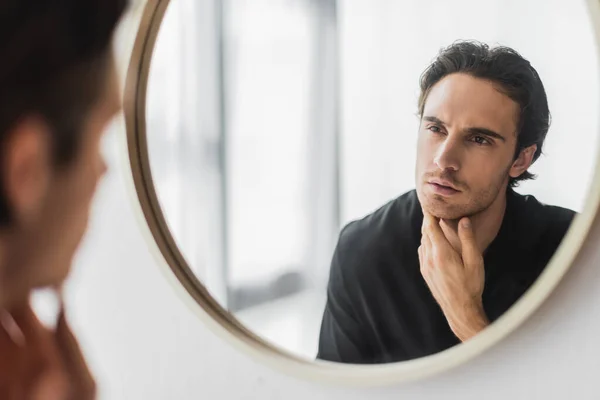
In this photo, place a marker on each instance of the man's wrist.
(469, 322)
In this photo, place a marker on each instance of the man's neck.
(486, 224)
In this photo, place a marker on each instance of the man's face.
(466, 147)
(51, 205)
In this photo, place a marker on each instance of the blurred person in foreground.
(58, 91)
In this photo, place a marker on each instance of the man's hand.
(455, 280)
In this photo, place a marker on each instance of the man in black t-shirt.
(438, 264)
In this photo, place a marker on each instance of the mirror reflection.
(371, 182)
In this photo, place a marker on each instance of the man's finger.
(471, 254)
(434, 230)
(426, 241)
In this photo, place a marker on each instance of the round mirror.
(366, 191)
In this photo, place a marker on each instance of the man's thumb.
(470, 251)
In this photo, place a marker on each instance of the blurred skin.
(465, 157)
(51, 208)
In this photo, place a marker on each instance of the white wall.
(144, 343)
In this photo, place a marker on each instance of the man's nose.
(447, 156)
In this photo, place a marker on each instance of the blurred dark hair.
(55, 56)
(513, 75)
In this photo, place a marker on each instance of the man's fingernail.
(466, 223)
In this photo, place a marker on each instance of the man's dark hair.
(513, 75)
(54, 63)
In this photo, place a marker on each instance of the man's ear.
(523, 161)
(26, 171)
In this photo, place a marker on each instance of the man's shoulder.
(380, 222)
(532, 208)
(377, 240)
(390, 225)
(536, 231)
(549, 221)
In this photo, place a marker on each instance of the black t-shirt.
(379, 308)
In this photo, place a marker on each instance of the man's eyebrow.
(434, 119)
(472, 130)
(486, 132)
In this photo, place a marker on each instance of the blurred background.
(273, 123)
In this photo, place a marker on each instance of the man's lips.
(443, 184)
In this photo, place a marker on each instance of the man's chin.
(444, 210)
(439, 207)
(61, 272)
(446, 215)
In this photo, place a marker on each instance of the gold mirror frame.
(225, 325)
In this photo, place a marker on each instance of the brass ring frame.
(227, 326)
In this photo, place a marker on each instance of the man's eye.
(434, 129)
(480, 140)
